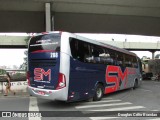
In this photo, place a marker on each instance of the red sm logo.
(39, 74)
(115, 76)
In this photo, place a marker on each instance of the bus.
(66, 67)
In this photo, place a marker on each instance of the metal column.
(48, 16)
(153, 53)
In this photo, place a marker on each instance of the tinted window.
(135, 63)
(90, 53)
(112, 56)
(107, 58)
(128, 60)
(79, 50)
(87, 52)
(97, 54)
(45, 42)
(120, 59)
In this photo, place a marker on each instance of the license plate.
(41, 92)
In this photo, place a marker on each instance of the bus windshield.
(45, 42)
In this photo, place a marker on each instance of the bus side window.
(108, 60)
(112, 56)
(103, 56)
(74, 48)
(79, 50)
(135, 65)
(97, 54)
(128, 60)
(120, 59)
(86, 51)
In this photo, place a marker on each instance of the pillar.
(153, 54)
(53, 23)
(48, 16)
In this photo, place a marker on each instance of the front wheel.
(98, 93)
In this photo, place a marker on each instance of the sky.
(10, 57)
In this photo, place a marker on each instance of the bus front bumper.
(48, 94)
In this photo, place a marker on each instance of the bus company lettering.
(115, 76)
(39, 74)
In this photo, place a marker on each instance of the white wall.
(20, 86)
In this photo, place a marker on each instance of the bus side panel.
(133, 74)
(84, 76)
(119, 78)
(83, 79)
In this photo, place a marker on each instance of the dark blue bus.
(64, 66)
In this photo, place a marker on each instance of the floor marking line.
(104, 101)
(33, 106)
(118, 109)
(103, 105)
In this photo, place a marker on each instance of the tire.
(98, 93)
(135, 84)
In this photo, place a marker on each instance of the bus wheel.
(98, 93)
(135, 84)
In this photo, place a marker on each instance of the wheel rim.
(99, 92)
